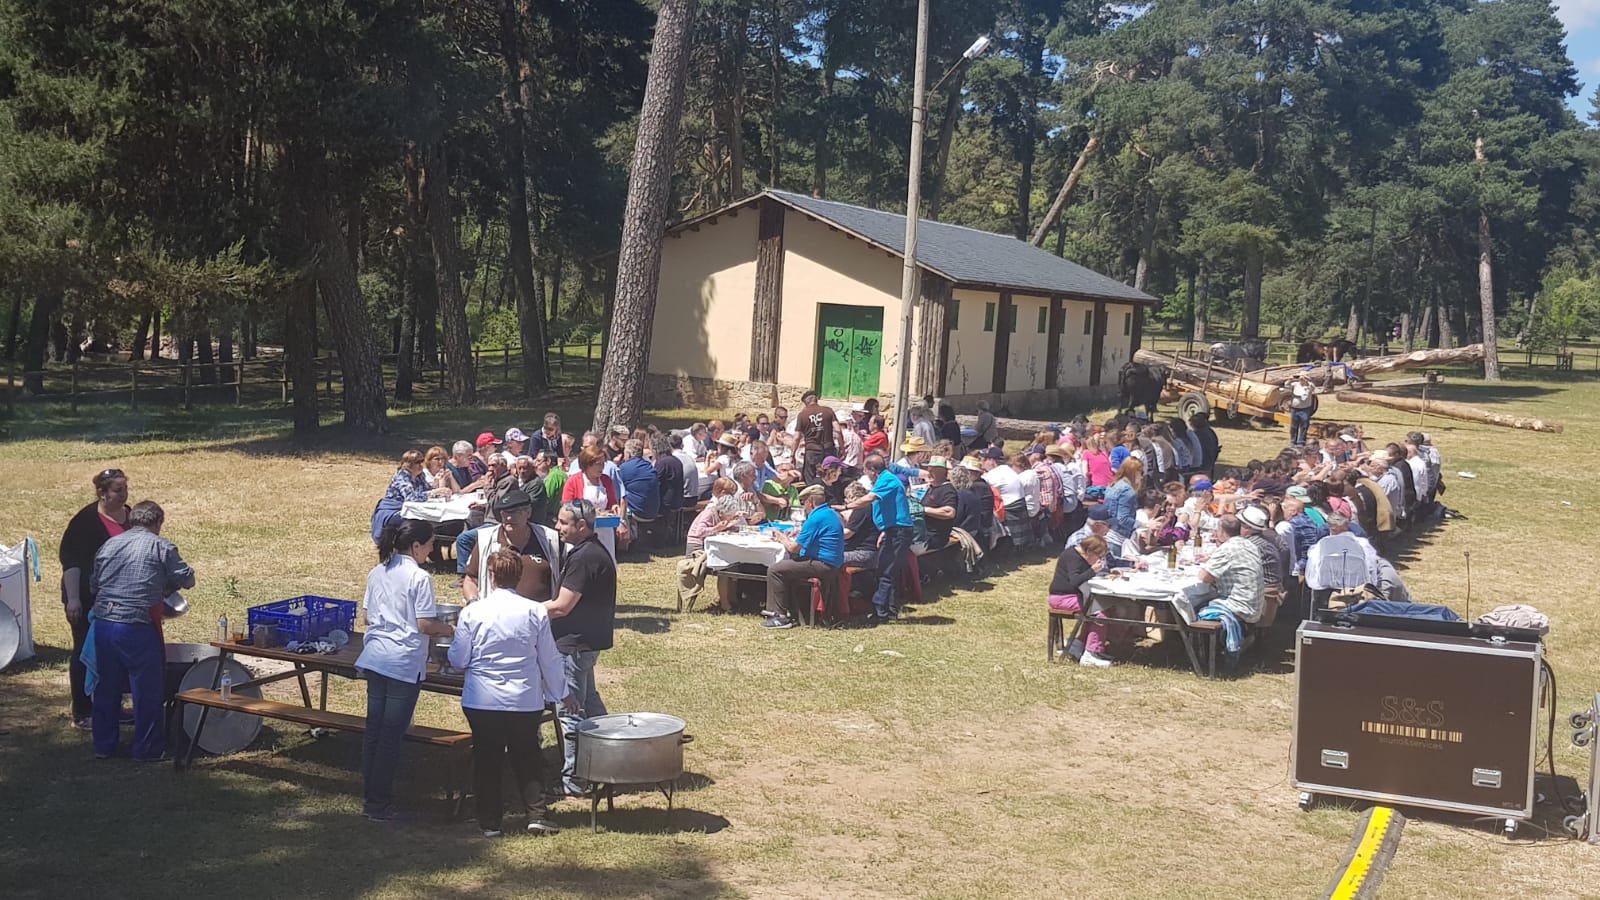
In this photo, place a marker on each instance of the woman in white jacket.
(512, 670)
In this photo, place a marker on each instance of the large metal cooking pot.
(439, 647)
(631, 748)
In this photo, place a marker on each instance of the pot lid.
(631, 726)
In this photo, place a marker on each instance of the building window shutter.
(1014, 318)
(953, 315)
(1044, 317)
(988, 317)
(1127, 324)
(1088, 321)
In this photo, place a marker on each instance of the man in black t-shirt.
(939, 503)
(582, 617)
(860, 532)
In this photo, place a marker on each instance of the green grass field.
(962, 764)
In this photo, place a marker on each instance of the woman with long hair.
(1122, 498)
(400, 614)
(1097, 461)
(88, 531)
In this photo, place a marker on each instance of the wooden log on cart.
(1217, 379)
(1378, 365)
(1450, 410)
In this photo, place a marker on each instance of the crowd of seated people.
(1309, 529)
(1328, 510)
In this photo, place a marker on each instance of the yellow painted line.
(1355, 874)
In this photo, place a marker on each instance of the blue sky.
(1582, 18)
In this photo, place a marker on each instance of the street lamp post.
(909, 276)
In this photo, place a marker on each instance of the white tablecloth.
(749, 547)
(1182, 589)
(456, 508)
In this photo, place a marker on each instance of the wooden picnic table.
(340, 663)
(1148, 591)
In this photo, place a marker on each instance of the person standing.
(816, 427)
(817, 551)
(512, 669)
(394, 656)
(133, 573)
(583, 614)
(1302, 403)
(88, 531)
(891, 512)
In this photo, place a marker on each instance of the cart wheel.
(1510, 828)
(1582, 738)
(1579, 720)
(1307, 801)
(1573, 825)
(1191, 404)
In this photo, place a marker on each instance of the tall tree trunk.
(1147, 240)
(141, 337)
(208, 360)
(461, 385)
(300, 353)
(1425, 332)
(775, 67)
(1024, 192)
(621, 399)
(553, 295)
(155, 335)
(947, 137)
(1352, 325)
(736, 47)
(1200, 300)
(1407, 331)
(819, 164)
(530, 302)
(225, 354)
(1251, 325)
(405, 366)
(1065, 194)
(1491, 348)
(364, 403)
(36, 350)
(14, 328)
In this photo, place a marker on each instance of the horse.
(1317, 351)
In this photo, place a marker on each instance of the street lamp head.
(978, 48)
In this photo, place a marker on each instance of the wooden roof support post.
(769, 294)
(1002, 342)
(1097, 347)
(933, 330)
(1055, 330)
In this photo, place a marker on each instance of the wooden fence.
(163, 381)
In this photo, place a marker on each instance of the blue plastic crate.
(305, 618)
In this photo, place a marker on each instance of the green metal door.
(849, 350)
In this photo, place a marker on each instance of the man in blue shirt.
(891, 512)
(817, 551)
(639, 482)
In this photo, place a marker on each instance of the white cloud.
(1578, 14)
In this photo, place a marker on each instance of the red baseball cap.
(486, 439)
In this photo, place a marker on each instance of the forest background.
(209, 178)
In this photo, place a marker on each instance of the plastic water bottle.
(222, 628)
(227, 686)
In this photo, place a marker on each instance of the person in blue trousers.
(891, 512)
(134, 573)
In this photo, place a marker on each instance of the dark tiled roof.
(968, 256)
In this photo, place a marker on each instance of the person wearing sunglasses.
(88, 531)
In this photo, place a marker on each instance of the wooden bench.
(319, 718)
(459, 742)
(1058, 637)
